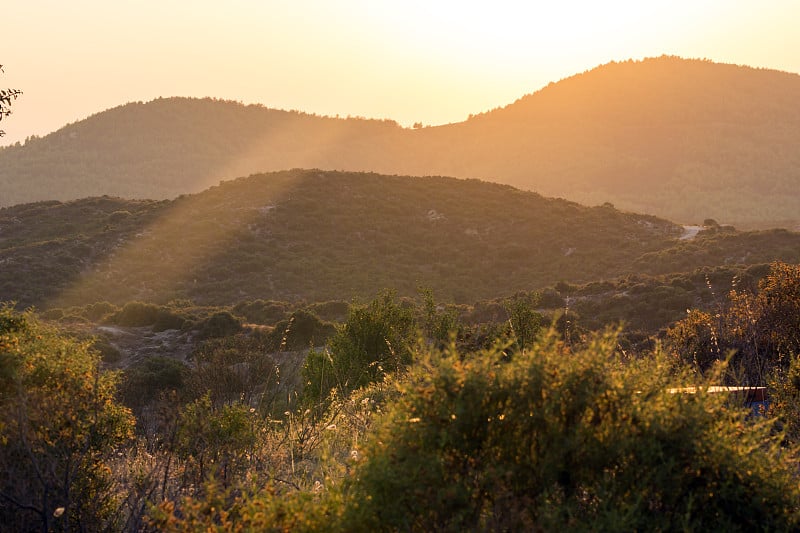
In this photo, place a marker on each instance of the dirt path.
(690, 232)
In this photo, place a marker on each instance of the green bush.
(375, 340)
(551, 439)
(301, 331)
(138, 314)
(60, 427)
(332, 311)
(220, 324)
(524, 322)
(150, 378)
(233, 369)
(261, 312)
(96, 312)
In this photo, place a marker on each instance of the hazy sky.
(429, 61)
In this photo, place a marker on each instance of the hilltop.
(682, 139)
(173, 146)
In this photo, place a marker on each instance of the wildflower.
(58, 512)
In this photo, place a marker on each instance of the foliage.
(150, 379)
(59, 427)
(438, 323)
(784, 399)
(137, 314)
(6, 97)
(555, 438)
(261, 312)
(525, 323)
(302, 330)
(269, 510)
(218, 441)
(220, 324)
(236, 369)
(258, 238)
(762, 329)
(374, 341)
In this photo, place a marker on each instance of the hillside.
(173, 146)
(314, 235)
(682, 139)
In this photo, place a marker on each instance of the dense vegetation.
(431, 422)
(232, 360)
(314, 236)
(682, 139)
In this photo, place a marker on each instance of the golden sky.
(428, 61)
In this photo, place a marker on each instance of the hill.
(310, 235)
(687, 140)
(175, 146)
(682, 139)
(314, 235)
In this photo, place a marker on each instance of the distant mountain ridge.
(682, 139)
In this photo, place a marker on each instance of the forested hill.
(682, 139)
(315, 235)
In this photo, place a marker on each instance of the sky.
(430, 61)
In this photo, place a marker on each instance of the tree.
(6, 97)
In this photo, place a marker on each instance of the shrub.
(261, 312)
(235, 369)
(100, 310)
(762, 330)
(524, 322)
(375, 340)
(550, 439)
(221, 324)
(59, 427)
(300, 331)
(150, 378)
(332, 311)
(138, 314)
(135, 314)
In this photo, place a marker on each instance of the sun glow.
(434, 62)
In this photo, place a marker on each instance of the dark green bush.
(145, 381)
(302, 330)
(235, 368)
(220, 324)
(60, 429)
(332, 311)
(108, 352)
(261, 312)
(138, 314)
